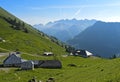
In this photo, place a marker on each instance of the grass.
(32, 45)
(32, 42)
(86, 70)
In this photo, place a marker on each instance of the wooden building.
(27, 65)
(50, 64)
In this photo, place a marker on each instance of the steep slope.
(65, 29)
(17, 35)
(102, 39)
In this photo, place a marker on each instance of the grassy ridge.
(31, 42)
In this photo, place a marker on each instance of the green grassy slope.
(86, 70)
(32, 42)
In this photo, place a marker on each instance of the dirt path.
(4, 54)
(5, 69)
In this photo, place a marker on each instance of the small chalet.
(48, 54)
(27, 65)
(83, 53)
(12, 60)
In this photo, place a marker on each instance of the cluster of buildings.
(14, 60)
(82, 53)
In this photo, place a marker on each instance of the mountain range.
(65, 29)
(100, 38)
(103, 39)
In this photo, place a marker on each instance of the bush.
(72, 65)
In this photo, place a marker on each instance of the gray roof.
(51, 64)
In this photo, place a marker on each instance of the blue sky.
(43, 11)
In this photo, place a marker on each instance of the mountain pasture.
(91, 69)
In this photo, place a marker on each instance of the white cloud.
(76, 13)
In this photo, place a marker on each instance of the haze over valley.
(65, 29)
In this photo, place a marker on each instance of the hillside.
(17, 35)
(65, 29)
(102, 39)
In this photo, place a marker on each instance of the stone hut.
(12, 61)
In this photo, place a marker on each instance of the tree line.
(16, 24)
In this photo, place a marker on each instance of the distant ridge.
(65, 29)
(103, 39)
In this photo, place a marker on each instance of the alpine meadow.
(59, 41)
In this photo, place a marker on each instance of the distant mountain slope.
(17, 35)
(102, 39)
(65, 29)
